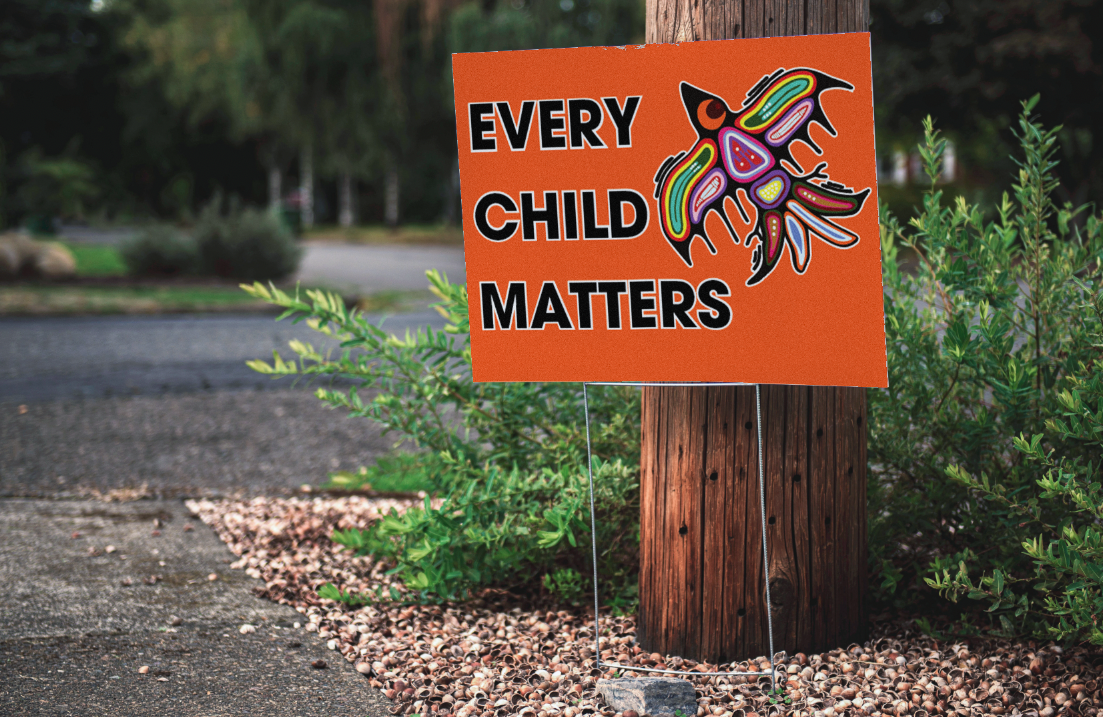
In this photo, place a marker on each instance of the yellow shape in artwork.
(768, 192)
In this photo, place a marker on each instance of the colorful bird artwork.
(748, 153)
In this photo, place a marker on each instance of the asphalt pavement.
(364, 269)
(43, 359)
(106, 423)
(166, 406)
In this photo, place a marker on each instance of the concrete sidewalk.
(77, 622)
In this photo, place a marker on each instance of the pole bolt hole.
(796, 477)
(772, 520)
(683, 530)
(748, 425)
(827, 521)
(850, 470)
(819, 433)
(714, 475)
(741, 612)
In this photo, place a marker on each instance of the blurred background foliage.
(970, 65)
(117, 110)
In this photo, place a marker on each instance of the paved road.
(368, 269)
(167, 406)
(95, 357)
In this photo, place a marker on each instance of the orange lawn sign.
(696, 212)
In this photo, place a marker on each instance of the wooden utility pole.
(701, 578)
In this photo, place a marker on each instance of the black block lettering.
(513, 311)
(548, 216)
(720, 314)
(550, 309)
(479, 127)
(637, 304)
(623, 118)
(482, 223)
(570, 215)
(584, 131)
(617, 199)
(549, 124)
(612, 291)
(590, 228)
(676, 311)
(517, 133)
(583, 289)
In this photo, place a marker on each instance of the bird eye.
(711, 113)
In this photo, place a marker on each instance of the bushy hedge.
(161, 250)
(508, 459)
(984, 450)
(249, 244)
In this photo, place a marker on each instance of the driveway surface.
(167, 406)
(78, 622)
(120, 408)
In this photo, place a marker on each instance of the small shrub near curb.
(249, 244)
(161, 250)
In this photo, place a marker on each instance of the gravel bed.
(491, 657)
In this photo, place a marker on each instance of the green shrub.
(506, 460)
(398, 473)
(1066, 506)
(989, 342)
(160, 250)
(246, 244)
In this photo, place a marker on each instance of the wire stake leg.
(593, 526)
(765, 551)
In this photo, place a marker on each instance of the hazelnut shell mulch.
(491, 658)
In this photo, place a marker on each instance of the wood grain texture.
(701, 579)
(690, 20)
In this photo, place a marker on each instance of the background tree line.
(132, 108)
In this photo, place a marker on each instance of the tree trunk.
(390, 194)
(275, 188)
(306, 185)
(701, 580)
(346, 216)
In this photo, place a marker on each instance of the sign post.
(702, 212)
(815, 457)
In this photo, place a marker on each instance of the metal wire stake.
(765, 552)
(765, 555)
(593, 526)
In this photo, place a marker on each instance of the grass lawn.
(97, 259)
(65, 299)
(44, 299)
(119, 295)
(411, 234)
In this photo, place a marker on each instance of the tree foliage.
(989, 338)
(508, 459)
(971, 64)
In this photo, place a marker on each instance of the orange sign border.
(815, 314)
